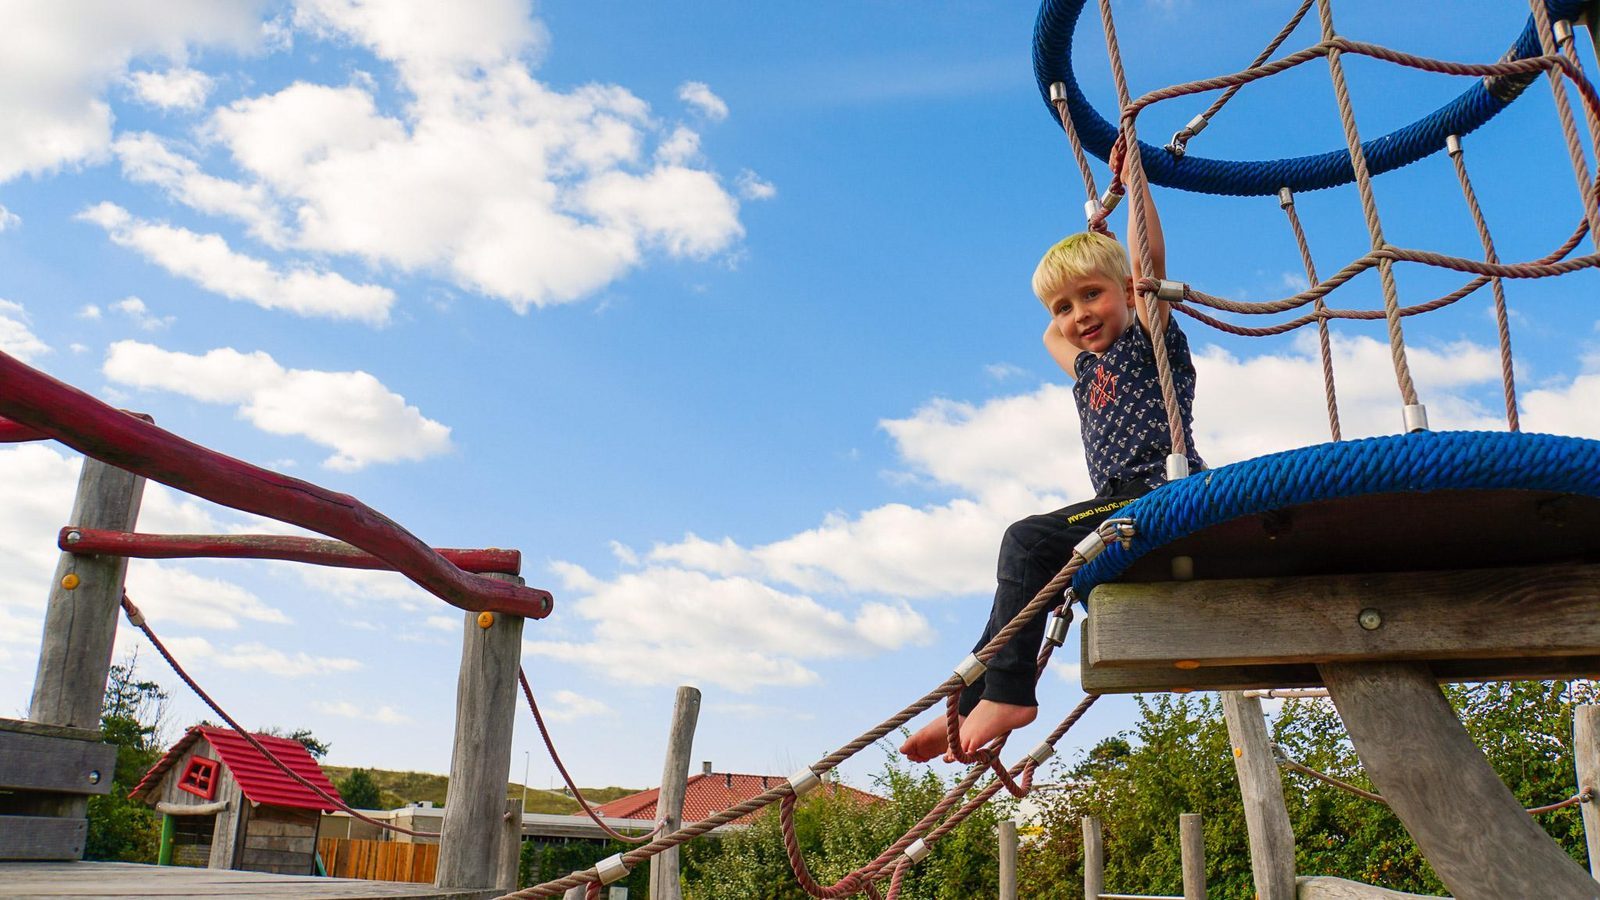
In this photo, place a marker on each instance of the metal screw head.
(94, 777)
(74, 536)
(1370, 619)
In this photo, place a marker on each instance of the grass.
(397, 789)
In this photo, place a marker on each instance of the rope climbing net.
(1547, 46)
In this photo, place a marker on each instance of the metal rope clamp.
(804, 782)
(1041, 753)
(1056, 634)
(917, 851)
(611, 868)
(971, 668)
(1091, 546)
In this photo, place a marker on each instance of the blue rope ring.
(1052, 62)
(1424, 461)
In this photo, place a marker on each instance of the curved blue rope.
(1052, 62)
(1425, 461)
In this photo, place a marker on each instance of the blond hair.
(1077, 255)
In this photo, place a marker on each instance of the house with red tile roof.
(709, 793)
(228, 807)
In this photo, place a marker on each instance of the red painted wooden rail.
(34, 400)
(16, 433)
(292, 548)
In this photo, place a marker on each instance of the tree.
(359, 790)
(133, 717)
(317, 748)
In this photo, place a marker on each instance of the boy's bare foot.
(929, 741)
(988, 720)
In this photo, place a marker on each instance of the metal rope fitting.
(1056, 634)
(1041, 753)
(1170, 290)
(1452, 144)
(1178, 466)
(1285, 198)
(611, 868)
(804, 782)
(1090, 207)
(971, 668)
(1091, 546)
(918, 851)
(1416, 417)
(1058, 92)
(1197, 125)
(1110, 200)
(135, 616)
(1563, 29)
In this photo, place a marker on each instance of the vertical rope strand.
(1064, 110)
(1502, 323)
(1324, 342)
(1569, 44)
(1369, 206)
(1569, 128)
(1144, 266)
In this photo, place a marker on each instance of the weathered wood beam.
(1192, 855)
(480, 761)
(1472, 614)
(1326, 887)
(1266, 817)
(1249, 678)
(33, 762)
(191, 809)
(1094, 858)
(1474, 833)
(1586, 750)
(291, 548)
(1006, 832)
(35, 837)
(664, 884)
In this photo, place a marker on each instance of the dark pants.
(1031, 553)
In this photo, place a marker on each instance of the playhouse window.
(200, 778)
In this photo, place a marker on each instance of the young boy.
(1100, 334)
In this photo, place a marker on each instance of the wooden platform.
(109, 879)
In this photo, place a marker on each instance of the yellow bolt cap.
(69, 580)
(485, 619)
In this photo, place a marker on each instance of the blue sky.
(719, 313)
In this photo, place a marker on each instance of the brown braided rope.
(1047, 596)
(1180, 140)
(1501, 319)
(1324, 341)
(1569, 128)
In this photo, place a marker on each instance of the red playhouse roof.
(260, 780)
(707, 794)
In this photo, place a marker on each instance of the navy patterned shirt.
(1125, 435)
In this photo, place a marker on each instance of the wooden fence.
(379, 860)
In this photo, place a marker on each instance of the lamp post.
(527, 759)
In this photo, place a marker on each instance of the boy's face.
(1092, 311)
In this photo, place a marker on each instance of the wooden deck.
(109, 879)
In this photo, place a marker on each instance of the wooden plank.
(1326, 887)
(1474, 833)
(1192, 855)
(480, 759)
(664, 884)
(1007, 834)
(510, 851)
(23, 726)
(1106, 680)
(1094, 858)
(1266, 817)
(35, 762)
(39, 837)
(1586, 751)
(104, 880)
(1464, 614)
(303, 843)
(81, 622)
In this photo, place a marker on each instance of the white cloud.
(134, 308)
(680, 147)
(383, 715)
(699, 97)
(179, 87)
(567, 706)
(257, 657)
(9, 219)
(351, 412)
(207, 260)
(57, 59)
(15, 336)
(90, 311)
(149, 159)
(753, 187)
(170, 596)
(671, 624)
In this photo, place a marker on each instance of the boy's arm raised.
(1158, 254)
(1061, 350)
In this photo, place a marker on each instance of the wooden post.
(674, 780)
(1586, 749)
(480, 761)
(1266, 817)
(1192, 848)
(1472, 830)
(1008, 859)
(1094, 860)
(510, 848)
(80, 622)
